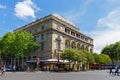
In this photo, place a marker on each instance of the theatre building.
(53, 34)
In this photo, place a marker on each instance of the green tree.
(69, 54)
(113, 50)
(0, 47)
(26, 43)
(104, 59)
(80, 56)
(96, 58)
(17, 44)
(101, 58)
(118, 51)
(6, 44)
(89, 58)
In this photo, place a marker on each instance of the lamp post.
(58, 49)
(38, 61)
(58, 60)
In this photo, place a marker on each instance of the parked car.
(8, 68)
(115, 66)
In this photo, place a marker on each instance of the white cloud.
(25, 9)
(2, 6)
(110, 32)
(111, 21)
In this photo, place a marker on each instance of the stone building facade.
(53, 34)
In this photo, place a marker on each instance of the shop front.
(48, 65)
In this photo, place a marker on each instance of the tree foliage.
(17, 44)
(85, 56)
(113, 50)
(6, 44)
(101, 58)
(88, 57)
(69, 54)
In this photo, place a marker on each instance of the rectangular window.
(65, 30)
(42, 37)
(72, 33)
(35, 38)
(68, 31)
(42, 46)
(58, 45)
(42, 28)
(35, 30)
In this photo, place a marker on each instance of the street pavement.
(87, 75)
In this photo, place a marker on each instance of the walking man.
(117, 71)
(111, 70)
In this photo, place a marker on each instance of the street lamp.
(58, 41)
(58, 59)
(38, 61)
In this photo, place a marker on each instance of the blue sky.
(99, 19)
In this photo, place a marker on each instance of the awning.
(34, 61)
(48, 60)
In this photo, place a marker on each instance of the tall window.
(42, 37)
(35, 38)
(42, 28)
(35, 30)
(67, 44)
(73, 45)
(65, 30)
(42, 46)
(58, 44)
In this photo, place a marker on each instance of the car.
(8, 68)
(115, 67)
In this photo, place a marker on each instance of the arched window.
(57, 45)
(86, 48)
(82, 47)
(78, 46)
(73, 45)
(58, 40)
(67, 43)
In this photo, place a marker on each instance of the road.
(87, 75)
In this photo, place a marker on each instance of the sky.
(99, 19)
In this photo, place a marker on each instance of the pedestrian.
(14, 68)
(111, 70)
(3, 70)
(117, 71)
(0, 70)
(28, 68)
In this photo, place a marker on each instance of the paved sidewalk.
(88, 75)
